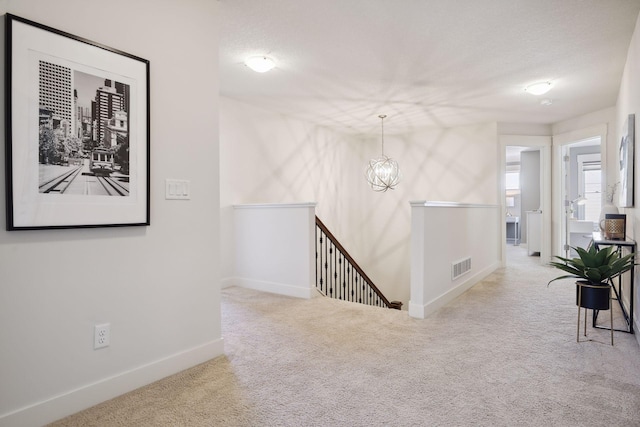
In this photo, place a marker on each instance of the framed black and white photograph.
(626, 162)
(77, 143)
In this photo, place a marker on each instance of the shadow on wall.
(274, 159)
(436, 164)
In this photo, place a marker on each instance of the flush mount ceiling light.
(260, 64)
(383, 173)
(539, 88)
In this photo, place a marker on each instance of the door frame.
(560, 141)
(543, 144)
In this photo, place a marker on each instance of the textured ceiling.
(341, 63)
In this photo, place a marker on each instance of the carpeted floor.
(502, 354)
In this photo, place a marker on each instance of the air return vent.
(460, 267)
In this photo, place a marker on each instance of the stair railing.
(339, 276)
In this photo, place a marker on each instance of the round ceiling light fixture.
(383, 173)
(260, 64)
(539, 88)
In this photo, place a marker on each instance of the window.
(512, 181)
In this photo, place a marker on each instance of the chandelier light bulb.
(260, 64)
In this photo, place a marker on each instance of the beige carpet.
(503, 354)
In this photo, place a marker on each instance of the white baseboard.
(227, 282)
(421, 311)
(417, 310)
(68, 403)
(276, 288)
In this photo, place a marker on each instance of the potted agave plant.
(595, 269)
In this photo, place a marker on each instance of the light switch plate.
(177, 189)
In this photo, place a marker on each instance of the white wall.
(629, 103)
(267, 158)
(159, 289)
(524, 129)
(275, 248)
(446, 233)
(606, 117)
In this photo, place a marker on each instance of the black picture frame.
(77, 131)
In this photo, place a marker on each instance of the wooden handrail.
(391, 304)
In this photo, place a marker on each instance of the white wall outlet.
(101, 335)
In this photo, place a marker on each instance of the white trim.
(436, 204)
(276, 205)
(227, 282)
(295, 291)
(89, 395)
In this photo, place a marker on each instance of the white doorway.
(581, 193)
(578, 184)
(530, 204)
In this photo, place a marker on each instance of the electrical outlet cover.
(101, 335)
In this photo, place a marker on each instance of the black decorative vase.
(593, 296)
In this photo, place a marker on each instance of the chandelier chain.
(382, 117)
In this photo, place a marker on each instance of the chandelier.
(383, 173)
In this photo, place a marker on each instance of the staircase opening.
(339, 276)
